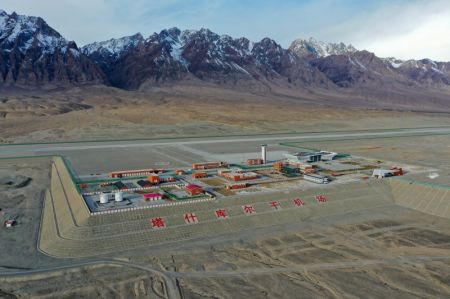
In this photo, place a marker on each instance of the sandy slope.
(105, 113)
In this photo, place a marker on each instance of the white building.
(9, 223)
(328, 156)
(316, 178)
(382, 173)
(309, 157)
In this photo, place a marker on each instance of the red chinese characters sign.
(157, 222)
(321, 198)
(275, 205)
(298, 202)
(221, 213)
(190, 218)
(248, 209)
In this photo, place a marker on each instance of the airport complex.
(191, 164)
(127, 190)
(114, 210)
(170, 217)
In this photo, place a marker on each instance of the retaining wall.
(427, 198)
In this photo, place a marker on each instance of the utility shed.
(9, 223)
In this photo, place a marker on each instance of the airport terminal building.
(309, 157)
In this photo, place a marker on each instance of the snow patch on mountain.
(176, 53)
(317, 49)
(24, 32)
(34, 53)
(239, 68)
(3, 20)
(113, 47)
(356, 62)
(395, 63)
(75, 52)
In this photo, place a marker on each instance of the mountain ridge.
(313, 48)
(34, 55)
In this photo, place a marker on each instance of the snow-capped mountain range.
(34, 54)
(24, 32)
(173, 54)
(113, 47)
(313, 48)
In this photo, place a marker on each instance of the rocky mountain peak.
(312, 48)
(113, 47)
(33, 53)
(268, 52)
(18, 32)
(170, 36)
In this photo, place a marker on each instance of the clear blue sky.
(401, 28)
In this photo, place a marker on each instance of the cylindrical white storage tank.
(103, 198)
(118, 196)
(264, 153)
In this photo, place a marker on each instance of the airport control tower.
(264, 153)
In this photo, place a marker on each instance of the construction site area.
(191, 213)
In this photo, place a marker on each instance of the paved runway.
(60, 148)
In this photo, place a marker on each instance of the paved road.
(60, 148)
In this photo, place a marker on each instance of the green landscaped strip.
(209, 136)
(109, 180)
(93, 181)
(193, 197)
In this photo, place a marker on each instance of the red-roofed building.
(154, 179)
(193, 189)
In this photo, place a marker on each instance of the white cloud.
(430, 40)
(411, 30)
